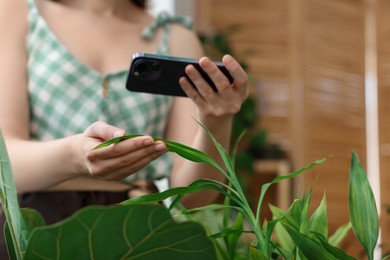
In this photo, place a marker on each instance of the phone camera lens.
(141, 66)
(155, 66)
(146, 75)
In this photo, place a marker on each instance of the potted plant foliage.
(141, 229)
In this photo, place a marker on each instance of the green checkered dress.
(66, 96)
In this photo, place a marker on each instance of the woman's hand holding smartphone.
(158, 74)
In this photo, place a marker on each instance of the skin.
(70, 163)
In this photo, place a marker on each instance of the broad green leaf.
(311, 248)
(362, 207)
(120, 232)
(318, 222)
(33, 218)
(340, 234)
(18, 230)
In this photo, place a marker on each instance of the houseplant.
(304, 237)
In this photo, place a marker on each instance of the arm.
(214, 110)
(41, 165)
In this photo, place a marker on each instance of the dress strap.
(163, 20)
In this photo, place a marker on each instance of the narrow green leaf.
(227, 162)
(9, 243)
(184, 151)
(230, 232)
(235, 148)
(312, 249)
(335, 251)
(318, 222)
(9, 200)
(362, 208)
(256, 254)
(33, 219)
(211, 207)
(339, 234)
(176, 191)
(282, 236)
(114, 141)
(232, 239)
(265, 187)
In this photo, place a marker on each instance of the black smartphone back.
(158, 74)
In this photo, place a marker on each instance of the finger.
(104, 131)
(240, 78)
(122, 148)
(203, 88)
(191, 92)
(216, 75)
(124, 168)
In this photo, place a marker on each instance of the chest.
(104, 44)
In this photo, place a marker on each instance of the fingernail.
(159, 147)
(148, 142)
(118, 133)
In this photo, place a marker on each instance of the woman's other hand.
(117, 161)
(230, 96)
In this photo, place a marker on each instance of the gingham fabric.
(66, 96)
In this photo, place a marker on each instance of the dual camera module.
(147, 69)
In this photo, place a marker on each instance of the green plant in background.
(93, 231)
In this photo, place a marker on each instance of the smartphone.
(158, 74)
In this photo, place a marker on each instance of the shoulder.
(13, 17)
(184, 42)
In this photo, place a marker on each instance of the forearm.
(187, 172)
(40, 165)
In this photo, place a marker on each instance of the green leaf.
(256, 254)
(340, 234)
(211, 207)
(362, 208)
(282, 236)
(9, 243)
(121, 232)
(178, 191)
(318, 222)
(18, 230)
(232, 239)
(265, 187)
(33, 219)
(184, 151)
(337, 252)
(311, 248)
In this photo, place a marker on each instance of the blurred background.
(320, 77)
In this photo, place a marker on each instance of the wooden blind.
(307, 62)
(334, 101)
(383, 9)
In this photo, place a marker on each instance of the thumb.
(104, 131)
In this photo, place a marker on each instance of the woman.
(63, 68)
